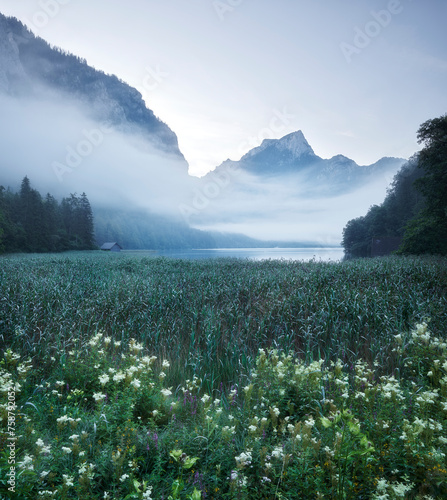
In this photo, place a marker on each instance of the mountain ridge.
(27, 61)
(292, 154)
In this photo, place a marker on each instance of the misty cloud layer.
(62, 152)
(275, 210)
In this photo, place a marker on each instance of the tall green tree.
(31, 217)
(12, 231)
(427, 233)
(54, 230)
(77, 217)
(356, 238)
(69, 208)
(403, 201)
(2, 231)
(85, 223)
(2, 220)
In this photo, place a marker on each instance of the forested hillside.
(29, 63)
(32, 223)
(415, 208)
(402, 203)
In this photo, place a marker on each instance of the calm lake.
(324, 254)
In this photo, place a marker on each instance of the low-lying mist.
(288, 209)
(62, 151)
(54, 142)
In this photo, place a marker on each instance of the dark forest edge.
(31, 223)
(414, 212)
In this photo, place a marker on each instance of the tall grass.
(211, 317)
(140, 378)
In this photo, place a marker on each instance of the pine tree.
(85, 223)
(31, 217)
(69, 216)
(54, 231)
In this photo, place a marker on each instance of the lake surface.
(306, 254)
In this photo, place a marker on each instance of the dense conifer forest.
(32, 223)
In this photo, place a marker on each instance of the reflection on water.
(324, 254)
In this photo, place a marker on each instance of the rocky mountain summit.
(291, 156)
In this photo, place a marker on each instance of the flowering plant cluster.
(103, 424)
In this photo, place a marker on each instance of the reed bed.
(211, 369)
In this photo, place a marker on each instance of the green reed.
(211, 317)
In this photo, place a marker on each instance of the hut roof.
(110, 245)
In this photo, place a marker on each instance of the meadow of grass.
(155, 378)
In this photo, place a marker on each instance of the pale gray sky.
(357, 77)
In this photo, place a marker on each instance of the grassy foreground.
(146, 378)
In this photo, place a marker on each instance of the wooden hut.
(111, 247)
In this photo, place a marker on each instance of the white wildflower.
(277, 452)
(147, 494)
(98, 396)
(27, 463)
(118, 377)
(68, 480)
(244, 459)
(136, 383)
(401, 489)
(103, 379)
(310, 422)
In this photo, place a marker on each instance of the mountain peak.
(294, 144)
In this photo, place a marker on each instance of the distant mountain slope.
(28, 64)
(292, 155)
